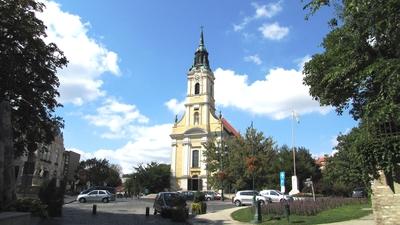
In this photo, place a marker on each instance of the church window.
(195, 159)
(197, 89)
(196, 118)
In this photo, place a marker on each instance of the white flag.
(295, 116)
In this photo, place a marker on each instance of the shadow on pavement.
(76, 216)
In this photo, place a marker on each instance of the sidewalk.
(224, 217)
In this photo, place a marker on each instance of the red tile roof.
(229, 128)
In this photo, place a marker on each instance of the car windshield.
(174, 199)
(279, 192)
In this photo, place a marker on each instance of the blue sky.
(128, 62)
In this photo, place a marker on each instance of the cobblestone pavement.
(120, 212)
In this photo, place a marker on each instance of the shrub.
(309, 207)
(199, 197)
(34, 206)
(199, 208)
(52, 196)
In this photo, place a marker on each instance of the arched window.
(196, 118)
(195, 158)
(197, 89)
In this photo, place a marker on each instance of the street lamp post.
(222, 152)
(256, 218)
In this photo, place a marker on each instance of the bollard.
(94, 210)
(147, 211)
(259, 218)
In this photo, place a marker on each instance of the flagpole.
(293, 142)
(295, 189)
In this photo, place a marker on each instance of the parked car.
(111, 190)
(165, 202)
(212, 195)
(187, 195)
(359, 192)
(246, 198)
(276, 196)
(95, 195)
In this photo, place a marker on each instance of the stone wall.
(385, 202)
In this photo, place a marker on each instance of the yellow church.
(197, 125)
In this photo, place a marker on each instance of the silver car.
(95, 195)
(246, 198)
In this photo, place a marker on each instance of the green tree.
(305, 166)
(240, 158)
(344, 171)
(154, 177)
(28, 81)
(100, 172)
(359, 70)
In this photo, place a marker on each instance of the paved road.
(120, 212)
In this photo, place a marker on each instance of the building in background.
(71, 163)
(48, 163)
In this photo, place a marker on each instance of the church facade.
(196, 126)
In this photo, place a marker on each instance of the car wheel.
(238, 203)
(106, 200)
(82, 200)
(208, 199)
(262, 202)
(283, 200)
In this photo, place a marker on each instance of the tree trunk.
(7, 170)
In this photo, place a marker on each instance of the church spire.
(201, 54)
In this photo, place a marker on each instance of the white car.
(246, 198)
(212, 195)
(276, 196)
(95, 195)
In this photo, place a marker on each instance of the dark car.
(165, 202)
(359, 192)
(106, 188)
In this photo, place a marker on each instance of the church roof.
(229, 128)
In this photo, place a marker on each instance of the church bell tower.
(199, 122)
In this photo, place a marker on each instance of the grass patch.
(347, 212)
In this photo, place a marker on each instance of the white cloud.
(88, 59)
(261, 11)
(267, 11)
(275, 96)
(119, 118)
(175, 106)
(273, 31)
(253, 58)
(148, 144)
(334, 141)
(302, 61)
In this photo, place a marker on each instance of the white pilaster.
(186, 155)
(173, 158)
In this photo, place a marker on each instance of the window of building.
(197, 89)
(195, 159)
(196, 118)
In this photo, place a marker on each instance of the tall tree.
(345, 171)
(100, 172)
(239, 159)
(305, 166)
(153, 176)
(359, 70)
(28, 81)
